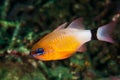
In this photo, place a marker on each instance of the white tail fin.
(105, 31)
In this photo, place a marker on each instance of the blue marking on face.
(39, 51)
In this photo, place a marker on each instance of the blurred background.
(23, 22)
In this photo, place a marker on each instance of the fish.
(66, 40)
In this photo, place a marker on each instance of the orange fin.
(78, 23)
(62, 26)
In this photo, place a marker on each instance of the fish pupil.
(40, 51)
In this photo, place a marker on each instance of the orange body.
(57, 45)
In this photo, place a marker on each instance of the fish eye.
(39, 51)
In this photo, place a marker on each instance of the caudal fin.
(104, 32)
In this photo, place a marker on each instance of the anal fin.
(82, 48)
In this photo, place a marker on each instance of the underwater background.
(23, 22)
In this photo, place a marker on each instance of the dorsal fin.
(62, 26)
(77, 23)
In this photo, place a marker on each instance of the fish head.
(49, 53)
(43, 53)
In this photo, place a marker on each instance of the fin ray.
(82, 48)
(105, 31)
(62, 26)
(78, 23)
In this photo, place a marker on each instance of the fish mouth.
(32, 53)
(35, 56)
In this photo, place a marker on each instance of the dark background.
(23, 22)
